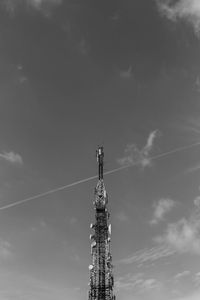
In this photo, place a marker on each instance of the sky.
(77, 74)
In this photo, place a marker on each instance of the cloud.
(161, 208)
(197, 279)
(188, 10)
(73, 221)
(148, 255)
(133, 155)
(193, 169)
(83, 47)
(41, 5)
(197, 201)
(22, 79)
(193, 296)
(136, 282)
(38, 3)
(115, 16)
(183, 236)
(182, 274)
(5, 250)
(150, 141)
(22, 285)
(41, 225)
(122, 217)
(193, 127)
(126, 74)
(197, 83)
(11, 157)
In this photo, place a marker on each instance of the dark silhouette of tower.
(101, 274)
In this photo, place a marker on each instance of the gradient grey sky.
(75, 74)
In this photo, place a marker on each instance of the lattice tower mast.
(101, 269)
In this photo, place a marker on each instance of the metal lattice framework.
(101, 269)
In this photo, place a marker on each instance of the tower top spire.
(100, 156)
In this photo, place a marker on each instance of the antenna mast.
(101, 275)
(100, 156)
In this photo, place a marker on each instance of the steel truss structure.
(101, 269)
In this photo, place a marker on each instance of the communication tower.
(101, 270)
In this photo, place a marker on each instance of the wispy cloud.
(194, 296)
(197, 279)
(133, 155)
(185, 273)
(122, 217)
(41, 225)
(83, 46)
(197, 83)
(126, 74)
(73, 220)
(192, 126)
(188, 10)
(137, 282)
(161, 208)
(148, 255)
(11, 157)
(5, 249)
(41, 5)
(20, 285)
(183, 236)
(193, 169)
(115, 16)
(197, 201)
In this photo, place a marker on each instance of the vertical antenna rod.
(100, 156)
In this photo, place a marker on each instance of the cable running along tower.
(101, 274)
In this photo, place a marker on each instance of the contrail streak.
(48, 192)
(94, 177)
